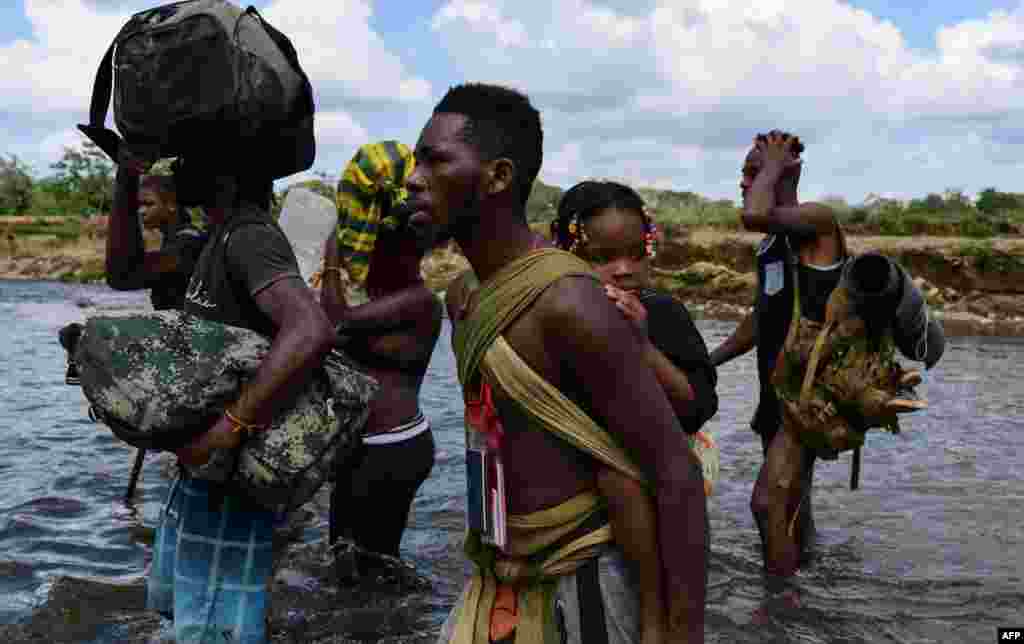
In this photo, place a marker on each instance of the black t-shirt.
(185, 242)
(672, 331)
(244, 255)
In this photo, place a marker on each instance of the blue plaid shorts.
(212, 565)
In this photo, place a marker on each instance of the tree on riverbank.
(84, 180)
(15, 185)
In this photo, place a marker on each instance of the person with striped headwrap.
(391, 337)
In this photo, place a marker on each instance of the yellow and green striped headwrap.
(373, 182)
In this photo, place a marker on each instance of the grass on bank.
(675, 211)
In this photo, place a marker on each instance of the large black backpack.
(206, 77)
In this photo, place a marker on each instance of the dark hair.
(586, 199)
(161, 184)
(195, 183)
(501, 122)
(256, 189)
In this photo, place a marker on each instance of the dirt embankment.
(976, 287)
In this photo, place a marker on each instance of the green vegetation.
(68, 230)
(542, 206)
(987, 259)
(951, 213)
(15, 185)
(84, 277)
(80, 184)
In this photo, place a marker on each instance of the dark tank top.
(816, 285)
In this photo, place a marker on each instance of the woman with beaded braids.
(607, 224)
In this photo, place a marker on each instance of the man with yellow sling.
(570, 394)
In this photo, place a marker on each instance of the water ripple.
(926, 551)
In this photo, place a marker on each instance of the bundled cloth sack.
(190, 75)
(839, 378)
(160, 379)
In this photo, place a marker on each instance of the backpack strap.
(102, 89)
(106, 139)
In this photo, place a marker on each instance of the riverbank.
(976, 287)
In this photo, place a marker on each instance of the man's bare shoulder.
(573, 305)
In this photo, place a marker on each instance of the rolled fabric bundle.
(160, 379)
(919, 336)
(883, 293)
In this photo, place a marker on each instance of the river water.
(929, 549)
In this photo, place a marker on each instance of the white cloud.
(562, 166)
(333, 128)
(55, 69)
(342, 54)
(676, 91)
(481, 18)
(49, 73)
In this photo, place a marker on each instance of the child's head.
(606, 224)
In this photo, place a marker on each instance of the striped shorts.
(212, 564)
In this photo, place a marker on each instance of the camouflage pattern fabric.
(836, 381)
(160, 379)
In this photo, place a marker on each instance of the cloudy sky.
(896, 97)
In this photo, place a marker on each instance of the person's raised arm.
(601, 356)
(380, 315)
(799, 220)
(762, 213)
(332, 287)
(128, 265)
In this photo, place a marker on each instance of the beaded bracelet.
(239, 425)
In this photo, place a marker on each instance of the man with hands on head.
(805, 237)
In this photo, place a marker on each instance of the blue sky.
(893, 97)
(919, 19)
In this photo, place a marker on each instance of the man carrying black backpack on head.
(215, 584)
(222, 90)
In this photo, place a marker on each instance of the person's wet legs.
(778, 503)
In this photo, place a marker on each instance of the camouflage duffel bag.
(161, 379)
